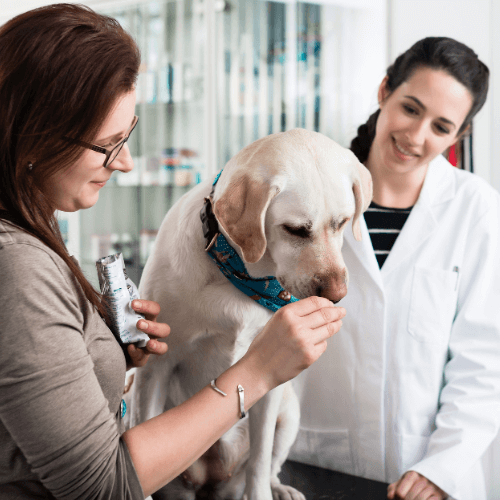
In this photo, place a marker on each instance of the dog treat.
(120, 291)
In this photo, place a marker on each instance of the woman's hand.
(414, 486)
(293, 339)
(139, 356)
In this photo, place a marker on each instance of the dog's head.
(284, 202)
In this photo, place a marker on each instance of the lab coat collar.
(439, 184)
(359, 255)
(439, 187)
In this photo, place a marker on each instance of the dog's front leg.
(148, 395)
(263, 416)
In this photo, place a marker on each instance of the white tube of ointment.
(120, 291)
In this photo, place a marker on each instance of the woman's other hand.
(414, 486)
(293, 339)
(150, 309)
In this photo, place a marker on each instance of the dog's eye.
(300, 232)
(343, 222)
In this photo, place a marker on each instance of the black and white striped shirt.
(384, 224)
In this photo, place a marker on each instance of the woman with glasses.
(67, 99)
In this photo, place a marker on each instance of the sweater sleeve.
(469, 415)
(51, 402)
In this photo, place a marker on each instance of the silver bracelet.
(216, 388)
(241, 396)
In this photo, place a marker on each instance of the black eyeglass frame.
(109, 153)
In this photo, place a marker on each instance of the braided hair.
(439, 53)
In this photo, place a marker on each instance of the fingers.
(414, 486)
(318, 351)
(324, 332)
(153, 329)
(139, 355)
(324, 316)
(307, 306)
(391, 490)
(156, 347)
(149, 308)
(405, 484)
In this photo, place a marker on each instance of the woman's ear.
(383, 92)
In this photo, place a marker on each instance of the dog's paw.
(284, 492)
(277, 491)
(264, 494)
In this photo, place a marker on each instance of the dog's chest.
(195, 363)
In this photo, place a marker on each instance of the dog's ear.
(363, 191)
(241, 211)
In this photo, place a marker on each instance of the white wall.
(473, 22)
(495, 102)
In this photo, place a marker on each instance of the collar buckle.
(209, 223)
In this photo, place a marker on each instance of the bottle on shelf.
(170, 161)
(184, 176)
(102, 245)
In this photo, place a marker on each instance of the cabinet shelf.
(213, 81)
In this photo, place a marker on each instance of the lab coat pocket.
(324, 448)
(432, 304)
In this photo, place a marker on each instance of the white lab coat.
(412, 380)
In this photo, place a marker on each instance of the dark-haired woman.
(67, 104)
(409, 393)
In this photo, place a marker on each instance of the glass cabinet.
(168, 146)
(280, 65)
(215, 76)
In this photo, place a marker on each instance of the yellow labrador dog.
(282, 203)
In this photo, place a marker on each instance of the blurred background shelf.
(215, 76)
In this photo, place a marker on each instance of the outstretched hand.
(414, 486)
(150, 309)
(294, 338)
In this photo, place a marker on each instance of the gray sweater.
(61, 382)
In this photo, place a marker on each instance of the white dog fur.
(283, 203)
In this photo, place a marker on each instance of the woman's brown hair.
(62, 69)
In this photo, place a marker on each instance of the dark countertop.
(318, 484)
(322, 484)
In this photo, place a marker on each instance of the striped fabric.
(384, 224)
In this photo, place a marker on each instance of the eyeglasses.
(110, 154)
